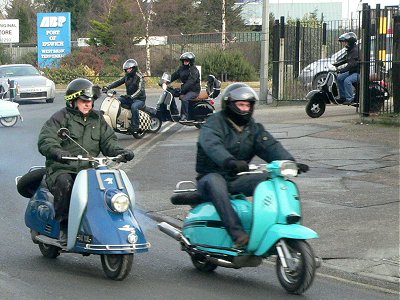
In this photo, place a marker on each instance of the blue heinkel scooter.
(101, 215)
(272, 219)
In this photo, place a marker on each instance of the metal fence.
(303, 51)
(299, 51)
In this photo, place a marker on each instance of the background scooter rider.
(135, 91)
(350, 73)
(189, 75)
(227, 143)
(89, 129)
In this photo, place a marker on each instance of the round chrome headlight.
(120, 202)
(289, 169)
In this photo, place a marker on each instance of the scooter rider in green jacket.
(227, 143)
(89, 129)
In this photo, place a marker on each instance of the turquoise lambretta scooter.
(272, 219)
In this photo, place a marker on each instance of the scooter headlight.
(117, 200)
(120, 202)
(289, 169)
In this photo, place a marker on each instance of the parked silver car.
(315, 73)
(30, 83)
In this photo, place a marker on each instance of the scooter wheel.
(315, 108)
(49, 251)
(202, 264)
(8, 121)
(117, 266)
(155, 125)
(297, 277)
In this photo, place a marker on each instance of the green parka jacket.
(91, 132)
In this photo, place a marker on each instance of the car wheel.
(318, 80)
(50, 100)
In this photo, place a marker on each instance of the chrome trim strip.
(126, 247)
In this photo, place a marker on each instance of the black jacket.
(190, 77)
(219, 141)
(135, 86)
(352, 59)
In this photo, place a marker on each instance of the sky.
(348, 6)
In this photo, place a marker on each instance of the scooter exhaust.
(170, 230)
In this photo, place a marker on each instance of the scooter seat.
(30, 182)
(187, 198)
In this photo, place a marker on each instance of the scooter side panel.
(282, 231)
(77, 206)
(39, 214)
(8, 109)
(204, 226)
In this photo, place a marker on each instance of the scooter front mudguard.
(319, 95)
(284, 231)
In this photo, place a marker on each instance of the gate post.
(364, 98)
(281, 57)
(275, 61)
(297, 54)
(396, 64)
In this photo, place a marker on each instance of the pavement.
(350, 196)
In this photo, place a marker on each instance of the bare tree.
(147, 12)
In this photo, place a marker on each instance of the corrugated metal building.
(252, 10)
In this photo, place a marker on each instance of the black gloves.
(127, 155)
(302, 168)
(235, 166)
(59, 154)
(104, 89)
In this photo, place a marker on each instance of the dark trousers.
(189, 96)
(135, 106)
(61, 191)
(214, 187)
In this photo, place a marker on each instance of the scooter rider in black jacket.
(350, 73)
(227, 142)
(190, 77)
(135, 91)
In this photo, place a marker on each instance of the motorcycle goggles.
(89, 94)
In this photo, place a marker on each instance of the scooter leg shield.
(281, 231)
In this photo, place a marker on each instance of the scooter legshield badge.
(132, 237)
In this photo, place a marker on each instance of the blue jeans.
(215, 188)
(189, 96)
(135, 106)
(345, 83)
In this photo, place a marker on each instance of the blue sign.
(54, 38)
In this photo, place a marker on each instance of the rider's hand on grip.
(176, 92)
(236, 166)
(59, 154)
(127, 155)
(302, 168)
